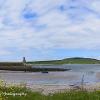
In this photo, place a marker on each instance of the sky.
(49, 29)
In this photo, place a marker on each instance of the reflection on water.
(91, 74)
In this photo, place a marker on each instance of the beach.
(52, 82)
(47, 89)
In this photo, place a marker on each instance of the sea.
(87, 73)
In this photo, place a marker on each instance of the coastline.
(55, 88)
(52, 88)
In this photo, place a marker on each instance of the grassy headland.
(20, 66)
(75, 60)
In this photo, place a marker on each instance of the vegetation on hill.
(75, 60)
(11, 64)
(19, 66)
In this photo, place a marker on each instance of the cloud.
(50, 24)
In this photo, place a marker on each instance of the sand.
(51, 88)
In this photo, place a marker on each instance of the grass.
(22, 93)
(75, 60)
(72, 95)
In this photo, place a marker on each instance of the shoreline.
(53, 88)
(56, 88)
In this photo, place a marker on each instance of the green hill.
(75, 60)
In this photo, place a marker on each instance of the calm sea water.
(91, 74)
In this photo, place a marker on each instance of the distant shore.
(73, 60)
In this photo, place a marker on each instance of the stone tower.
(24, 60)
